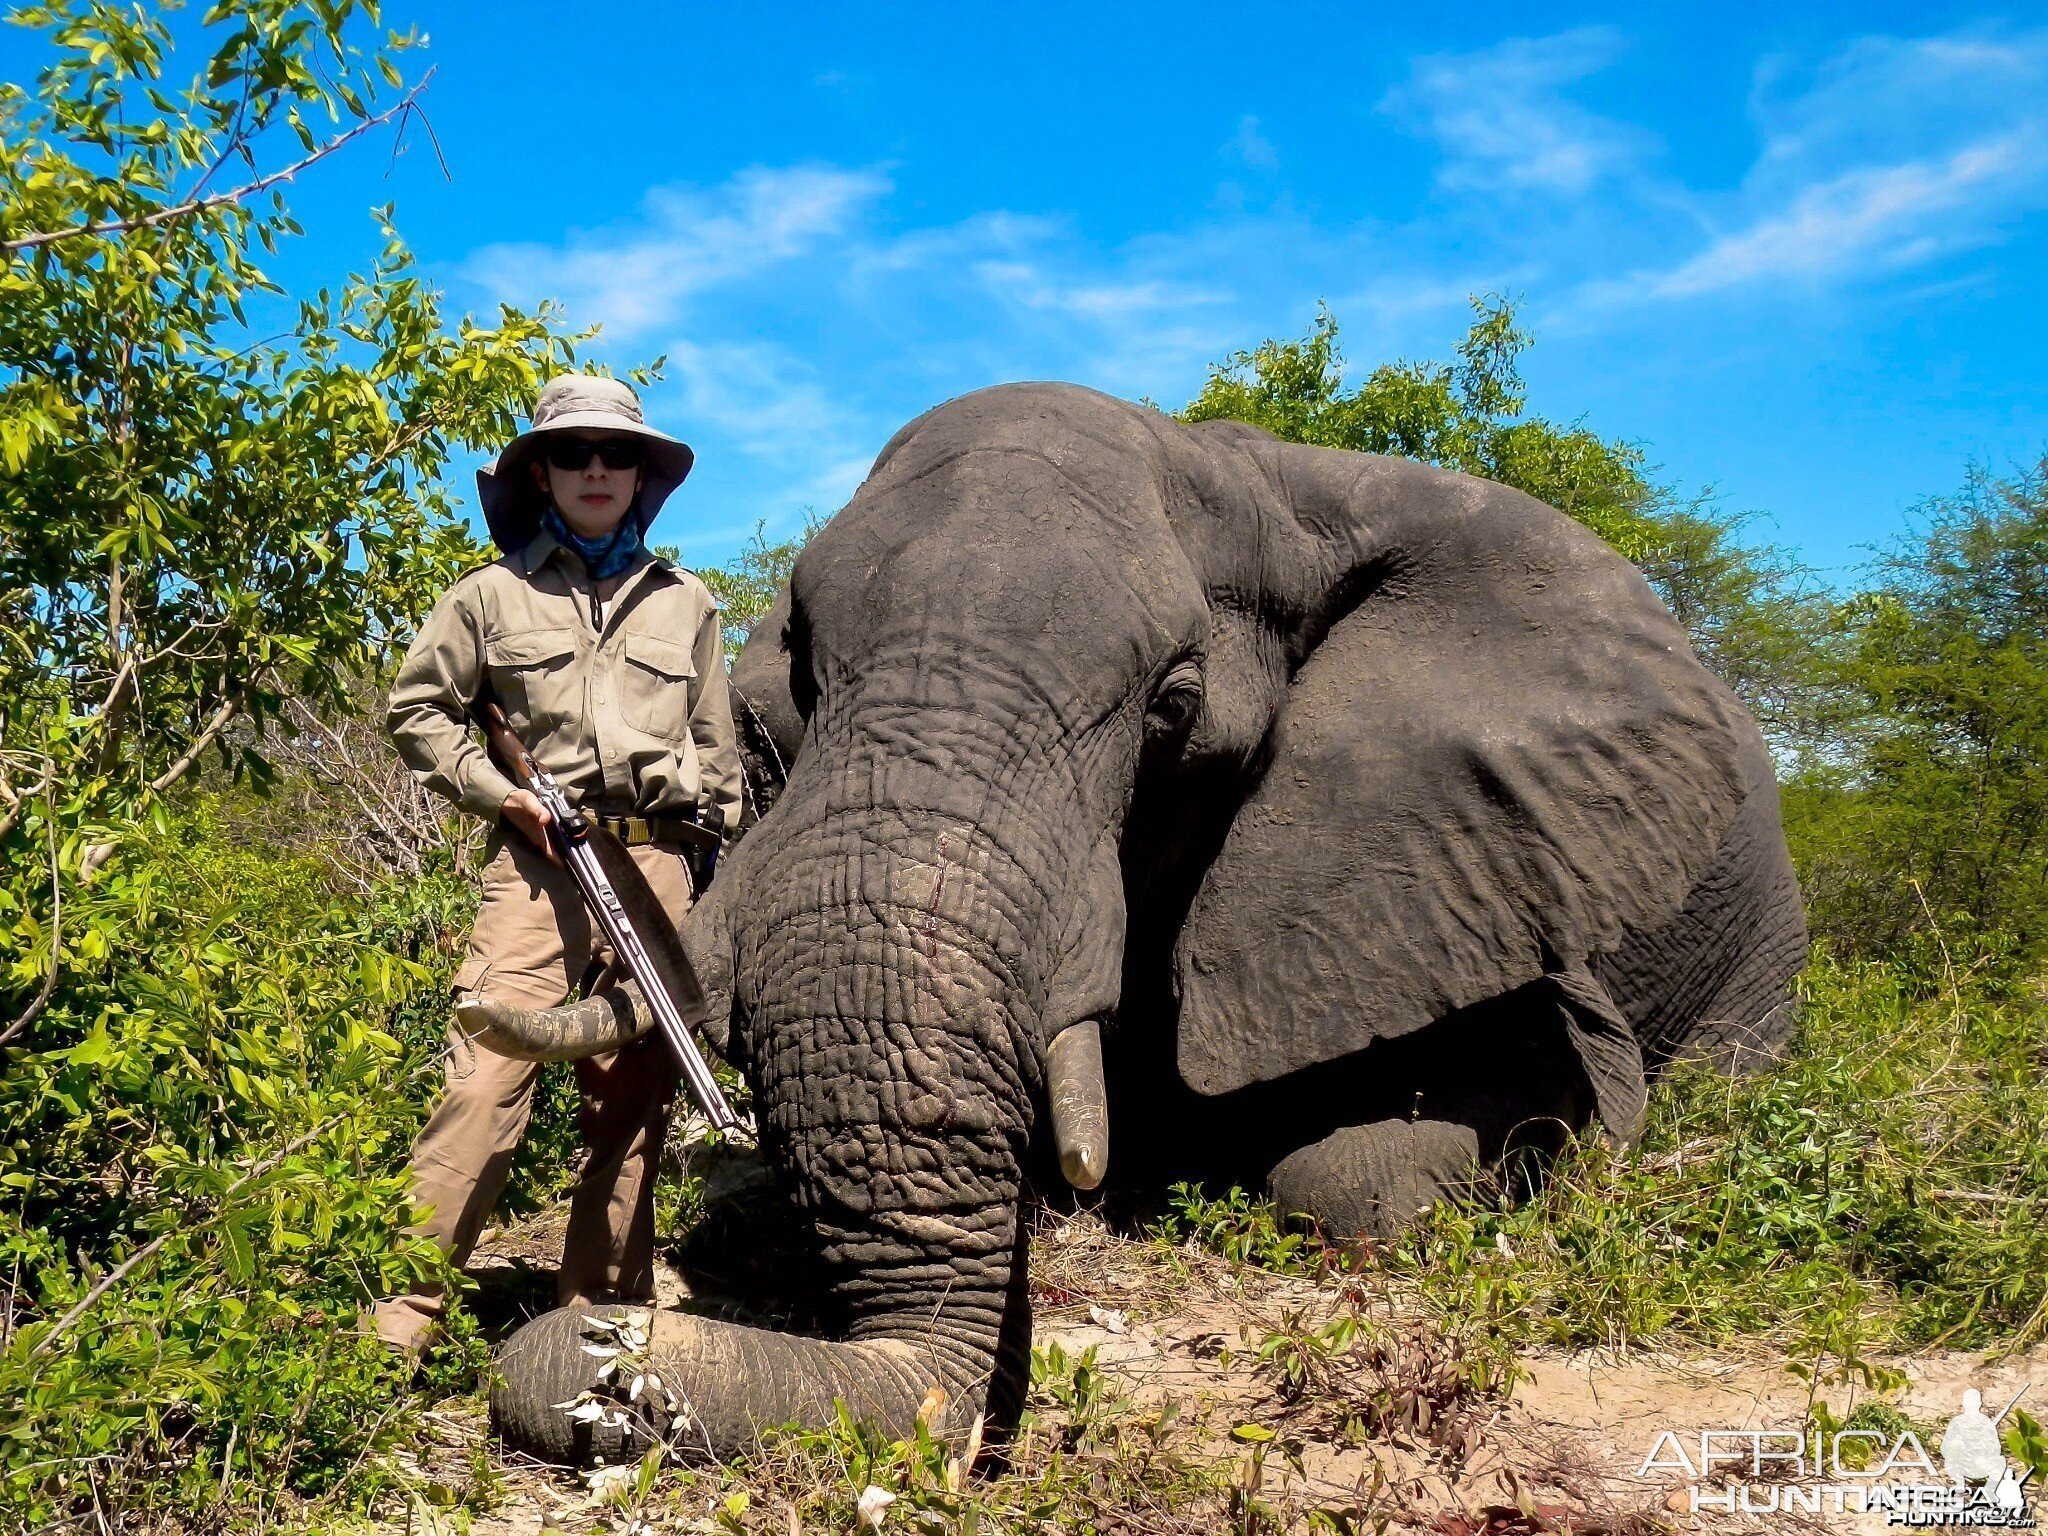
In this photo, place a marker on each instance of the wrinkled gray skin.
(1382, 816)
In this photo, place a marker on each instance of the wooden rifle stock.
(511, 751)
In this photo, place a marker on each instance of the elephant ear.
(764, 713)
(1500, 761)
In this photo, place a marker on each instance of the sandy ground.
(1563, 1451)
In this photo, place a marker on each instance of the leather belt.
(638, 831)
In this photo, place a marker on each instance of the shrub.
(206, 1182)
(1888, 1175)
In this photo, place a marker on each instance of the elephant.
(1183, 801)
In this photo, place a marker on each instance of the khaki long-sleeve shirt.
(617, 688)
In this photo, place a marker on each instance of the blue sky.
(1797, 252)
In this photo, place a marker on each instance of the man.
(609, 665)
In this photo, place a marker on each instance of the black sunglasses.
(576, 452)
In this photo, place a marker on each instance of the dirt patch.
(1376, 1435)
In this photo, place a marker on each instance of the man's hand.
(523, 809)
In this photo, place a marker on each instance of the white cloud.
(806, 255)
(1250, 147)
(1503, 120)
(997, 232)
(1880, 98)
(1003, 295)
(938, 309)
(808, 311)
(763, 400)
(1089, 296)
(637, 278)
(802, 325)
(1892, 215)
(1886, 154)
(805, 444)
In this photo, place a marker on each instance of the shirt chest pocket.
(654, 685)
(533, 674)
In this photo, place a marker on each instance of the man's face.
(591, 496)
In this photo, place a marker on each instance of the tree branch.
(108, 716)
(172, 648)
(99, 853)
(401, 441)
(201, 204)
(228, 710)
(236, 139)
(18, 800)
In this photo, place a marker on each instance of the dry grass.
(1174, 1391)
(1499, 1371)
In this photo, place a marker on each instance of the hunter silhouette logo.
(1971, 1453)
(1850, 1471)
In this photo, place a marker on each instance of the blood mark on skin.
(931, 916)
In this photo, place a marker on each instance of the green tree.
(1467, 416)
(214, 499)
(196, 524)
(1753, 615)
(1931, 813)
(746, 589)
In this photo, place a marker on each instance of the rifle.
(588, 851)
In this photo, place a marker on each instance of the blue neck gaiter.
(605, 557)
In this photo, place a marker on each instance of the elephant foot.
(1372, 1180)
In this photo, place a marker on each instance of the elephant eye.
(1177, 700)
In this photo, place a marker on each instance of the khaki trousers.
(532, 945)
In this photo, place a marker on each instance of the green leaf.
(93, 1049)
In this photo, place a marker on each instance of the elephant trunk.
(721, 1384)
(892, 966)
(893, 1094)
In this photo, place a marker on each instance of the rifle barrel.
(626, 944)
(570, 833)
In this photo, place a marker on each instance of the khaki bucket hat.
(512, 504)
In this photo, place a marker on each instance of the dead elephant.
(1280, 812)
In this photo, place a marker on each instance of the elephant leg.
(1372, 1180)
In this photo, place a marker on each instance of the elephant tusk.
(614, 1017)
(1080, 1103)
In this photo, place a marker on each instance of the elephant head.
(1264, 757)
